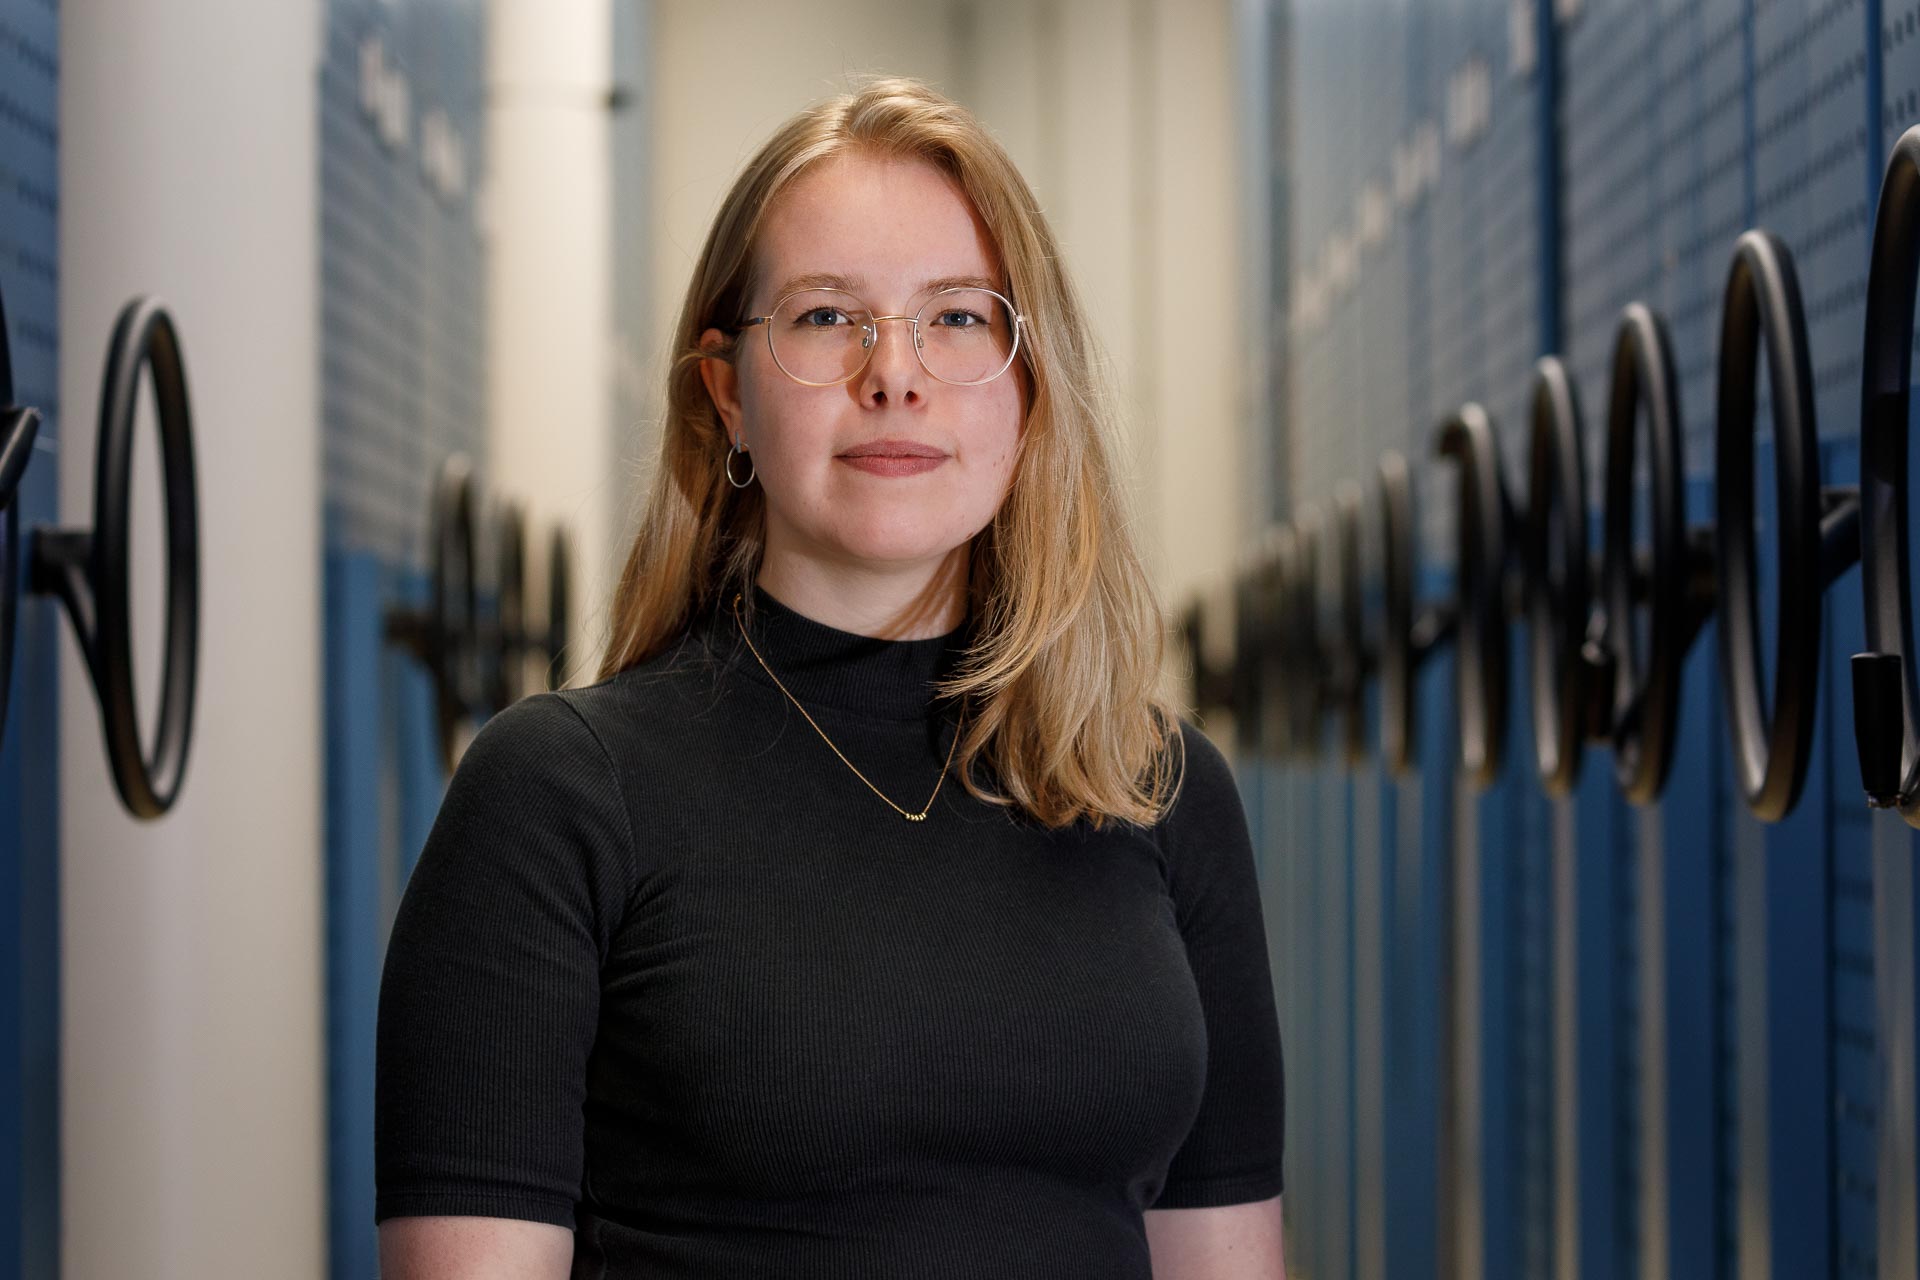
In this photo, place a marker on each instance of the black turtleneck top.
(667, 973)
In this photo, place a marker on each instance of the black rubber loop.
(1350, 657)
(559, 601)
(1762, 301)
(1481, 640)
(1889, 751)
(88, 570)
(18, 428)
(1646, 698)
(1558, 607)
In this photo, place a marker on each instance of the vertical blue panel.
(30, 750)
(403, 311)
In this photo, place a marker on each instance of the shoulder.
(1207, 792)
(543, 735)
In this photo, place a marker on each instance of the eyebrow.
(856, 284)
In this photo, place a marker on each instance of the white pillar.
(191, 1109)
(550, 363)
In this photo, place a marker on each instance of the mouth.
(893, 449)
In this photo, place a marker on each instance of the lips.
(893, 449)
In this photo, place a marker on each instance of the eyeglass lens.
(826, 336)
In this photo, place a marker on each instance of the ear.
(723, 382)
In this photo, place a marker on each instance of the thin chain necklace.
(910, 817)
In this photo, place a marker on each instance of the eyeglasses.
(823, 337)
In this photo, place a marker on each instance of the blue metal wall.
(403, 313)
(1532, 1037)
(29, 749)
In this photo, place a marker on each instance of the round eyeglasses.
(823, 337)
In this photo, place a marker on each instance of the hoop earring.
(728, 467)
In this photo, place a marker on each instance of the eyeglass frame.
(872, 326)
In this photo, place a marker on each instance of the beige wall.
(1119, 112)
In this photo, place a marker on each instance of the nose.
(893, 371)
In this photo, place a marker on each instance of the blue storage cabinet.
(1676, 1040)
(403, 308)
(30, 748)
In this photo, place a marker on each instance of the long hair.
(1063, 681)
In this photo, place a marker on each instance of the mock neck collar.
(825, 667)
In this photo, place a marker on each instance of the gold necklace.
(910, 817)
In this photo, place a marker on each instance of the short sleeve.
(490, 992)
(1232, 1154)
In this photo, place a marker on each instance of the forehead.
(889, 225)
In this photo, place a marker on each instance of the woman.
(874, 914)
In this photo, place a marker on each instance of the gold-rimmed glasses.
(823, 337)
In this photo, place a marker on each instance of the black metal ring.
(452, 645)
(1763, 302)
(1308, 687)
(1481, 640)
(1350, 657)
(1273, 588)
(508, 652)
(1397, 660)
(1889, 736)
(559, 600)
(18, 428)
(1557, 607)
(443, 636)
(1645, 707)
(88, 570)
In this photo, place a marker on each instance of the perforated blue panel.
(29, 749)
(403, 313)
(1725, 1011)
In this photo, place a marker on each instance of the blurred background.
(333, 356)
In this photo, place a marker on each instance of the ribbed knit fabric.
(668, 974)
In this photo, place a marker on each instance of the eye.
(959, 318)
(822, 318)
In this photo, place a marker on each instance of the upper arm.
(490, 995)
(444, 1248)
(1227, 1242)
(1232, 1153)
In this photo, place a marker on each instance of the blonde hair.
(1063, 682)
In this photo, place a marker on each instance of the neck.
(887, 603)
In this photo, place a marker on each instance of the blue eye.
(968, 319)
(810, 319)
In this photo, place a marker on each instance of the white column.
(550, 364)
(192, 1094)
